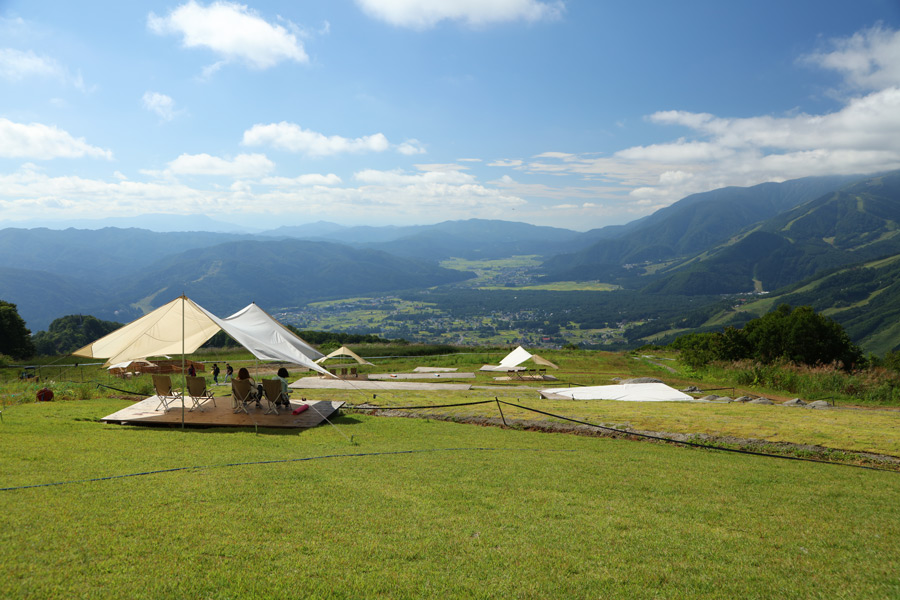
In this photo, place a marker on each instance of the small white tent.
(633, 392)
(515, 358)
(344, 351)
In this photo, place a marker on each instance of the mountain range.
(771, 238)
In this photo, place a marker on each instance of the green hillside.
(856, 223)
(281, 273)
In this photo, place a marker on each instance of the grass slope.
(472, 513)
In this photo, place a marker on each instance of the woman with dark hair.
(256, 390)
(285, 391)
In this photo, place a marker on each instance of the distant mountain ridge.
(858, 222)
(765, 238)
(470, 239)
(691, 225)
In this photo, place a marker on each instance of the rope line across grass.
(268, 462)
(637, 434)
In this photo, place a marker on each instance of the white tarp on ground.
(515, 358)
(182, 326)
(633, 392)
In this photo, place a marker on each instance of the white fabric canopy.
(265, 337)
(179, 327)
(182, 326)
(633, 392)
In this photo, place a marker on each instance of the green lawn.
(419, 508)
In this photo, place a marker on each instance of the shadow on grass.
(340, 420)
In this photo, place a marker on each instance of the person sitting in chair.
(255, 390)
(285, 392)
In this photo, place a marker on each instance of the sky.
(567, 113)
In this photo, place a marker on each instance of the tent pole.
(183, 378)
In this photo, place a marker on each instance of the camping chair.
(241, 394)
(272, 389)
(164, 391)
(199, 392)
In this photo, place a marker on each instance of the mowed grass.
(416, 508)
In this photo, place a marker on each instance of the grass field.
(393, 507)
(417, 508)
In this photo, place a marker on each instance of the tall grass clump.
(869, 386)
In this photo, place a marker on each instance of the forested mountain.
(470, 239)
(856, 223)
(100, 255)
(227, 277)
(691, 225)
(42, 296)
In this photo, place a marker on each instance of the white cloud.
(231, 30)
(19, 65)
(869, 59)
(293, 138)
(162, 105)
(423, 14)
(16, 65)
(862, 137)
(411, 147)
(241, 166)
(308, 179)
(509, 163)
(379, 197)
(39, 141)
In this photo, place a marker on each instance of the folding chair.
(167, 396)
(199, 392)
(241, 394)
(272, 389)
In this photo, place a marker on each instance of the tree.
(15, 338)
(802, 336)
(71, 332)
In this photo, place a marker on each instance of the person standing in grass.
(216, 373)
(229, 373)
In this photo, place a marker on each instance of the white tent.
(344, 351)
(515, 358)
(633, 392)
(182, 326)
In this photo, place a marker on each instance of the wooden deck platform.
(222, 415)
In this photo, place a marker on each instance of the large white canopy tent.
(182, 326)
(633, 392)
(513, 360)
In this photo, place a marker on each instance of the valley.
(708, 261)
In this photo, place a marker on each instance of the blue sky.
(570, 113)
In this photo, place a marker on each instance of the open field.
(414, 508)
